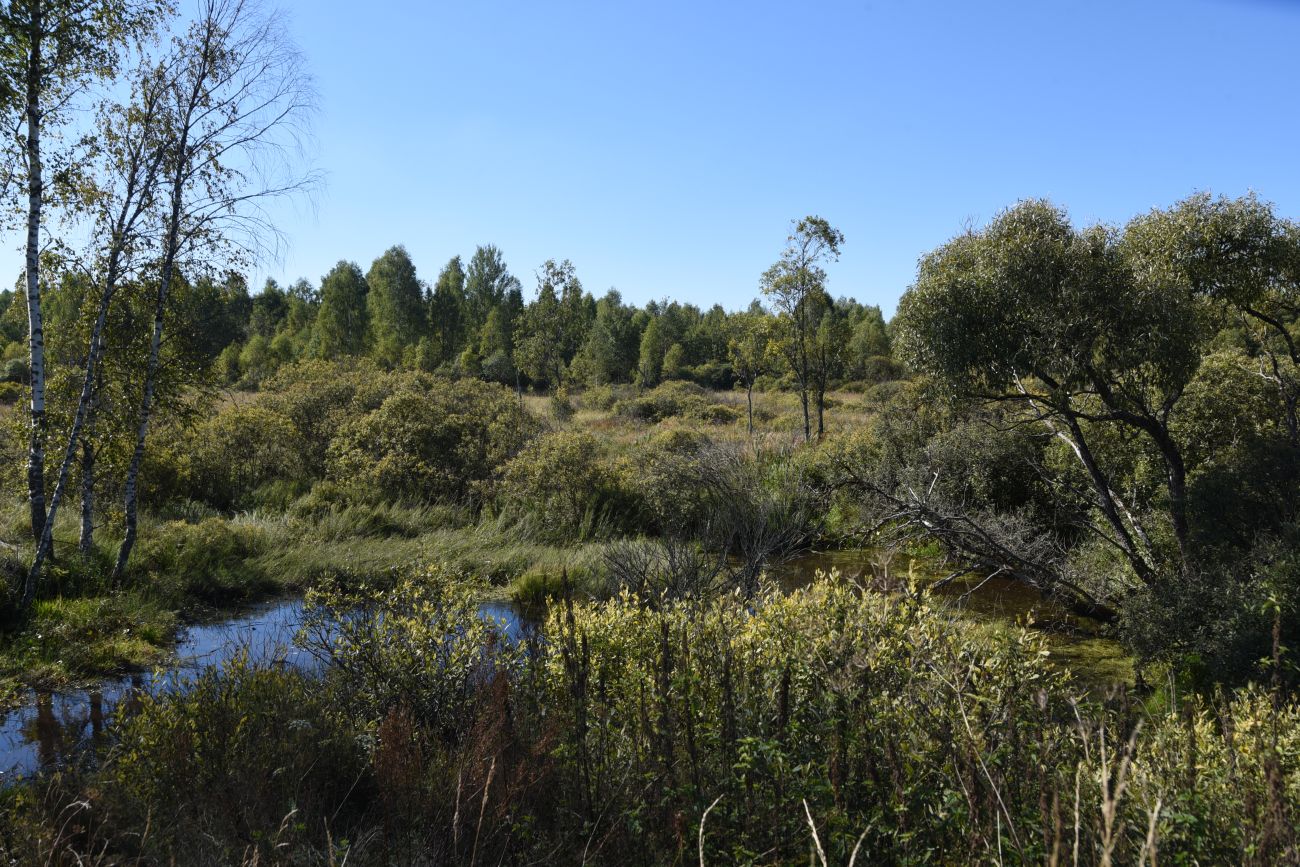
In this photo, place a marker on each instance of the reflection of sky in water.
(50, 724)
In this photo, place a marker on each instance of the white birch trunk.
(35, 329)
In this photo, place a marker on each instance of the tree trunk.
(130, 497)
(46, 542)
(35, 331)
(749, 397)
(807, 422)
(86, 542)
(130, 500)
(821, 412)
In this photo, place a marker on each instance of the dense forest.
(1012, 577)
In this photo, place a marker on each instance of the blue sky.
(664, 147)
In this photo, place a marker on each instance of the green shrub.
(565, 484)
(227, 769)
(10, 392)
(603, 397)
(239, 450)
(16, 371)
(319, 397)
(663, 473)
(677, 399)
(713, 374)
(562, 408)
(419, 645)
(431, 445)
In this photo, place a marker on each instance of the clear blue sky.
(664, 147)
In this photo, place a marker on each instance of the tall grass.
(831, 724)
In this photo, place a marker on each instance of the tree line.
(473, 321)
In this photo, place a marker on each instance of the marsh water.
(51, 725)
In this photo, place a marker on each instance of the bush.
(16, 371)
(419, 645)
(430, 445)
(603, 397)
(239, 450)
(563, 484)
(225, 769)
(10, 392)
(663, 472)
(674, 399)
(714, 374)
(319, 397)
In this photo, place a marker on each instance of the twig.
(702, 818)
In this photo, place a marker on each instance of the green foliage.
(395, 306)
(343, 320)
(15, 371)
(676, 399)
(419, 645)
(447, 310)
(213, 562)
(71, 639)
(430, 441)
(231, 764)
(239, 450)
(489, 286)
(319, 397)
(564, 483)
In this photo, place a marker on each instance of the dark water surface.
(50, 725)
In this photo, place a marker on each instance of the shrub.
(663, 472)
(603, 397)
(225, 769)
(418, 645)
(10, 392)
(564, 484)
(674, 399)
(319, 397)
(16, 371)
(239, 450)
(433, 444)
(714, 374)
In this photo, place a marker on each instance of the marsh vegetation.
(1009, 578)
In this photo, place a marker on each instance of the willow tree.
(1057, 324)
(240, 105)
(1240, 254)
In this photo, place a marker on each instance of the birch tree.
(750, 354)
(128, 166)
(54, 51)
(796, 285)
(241, 107)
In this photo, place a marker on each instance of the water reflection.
(52, 725)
